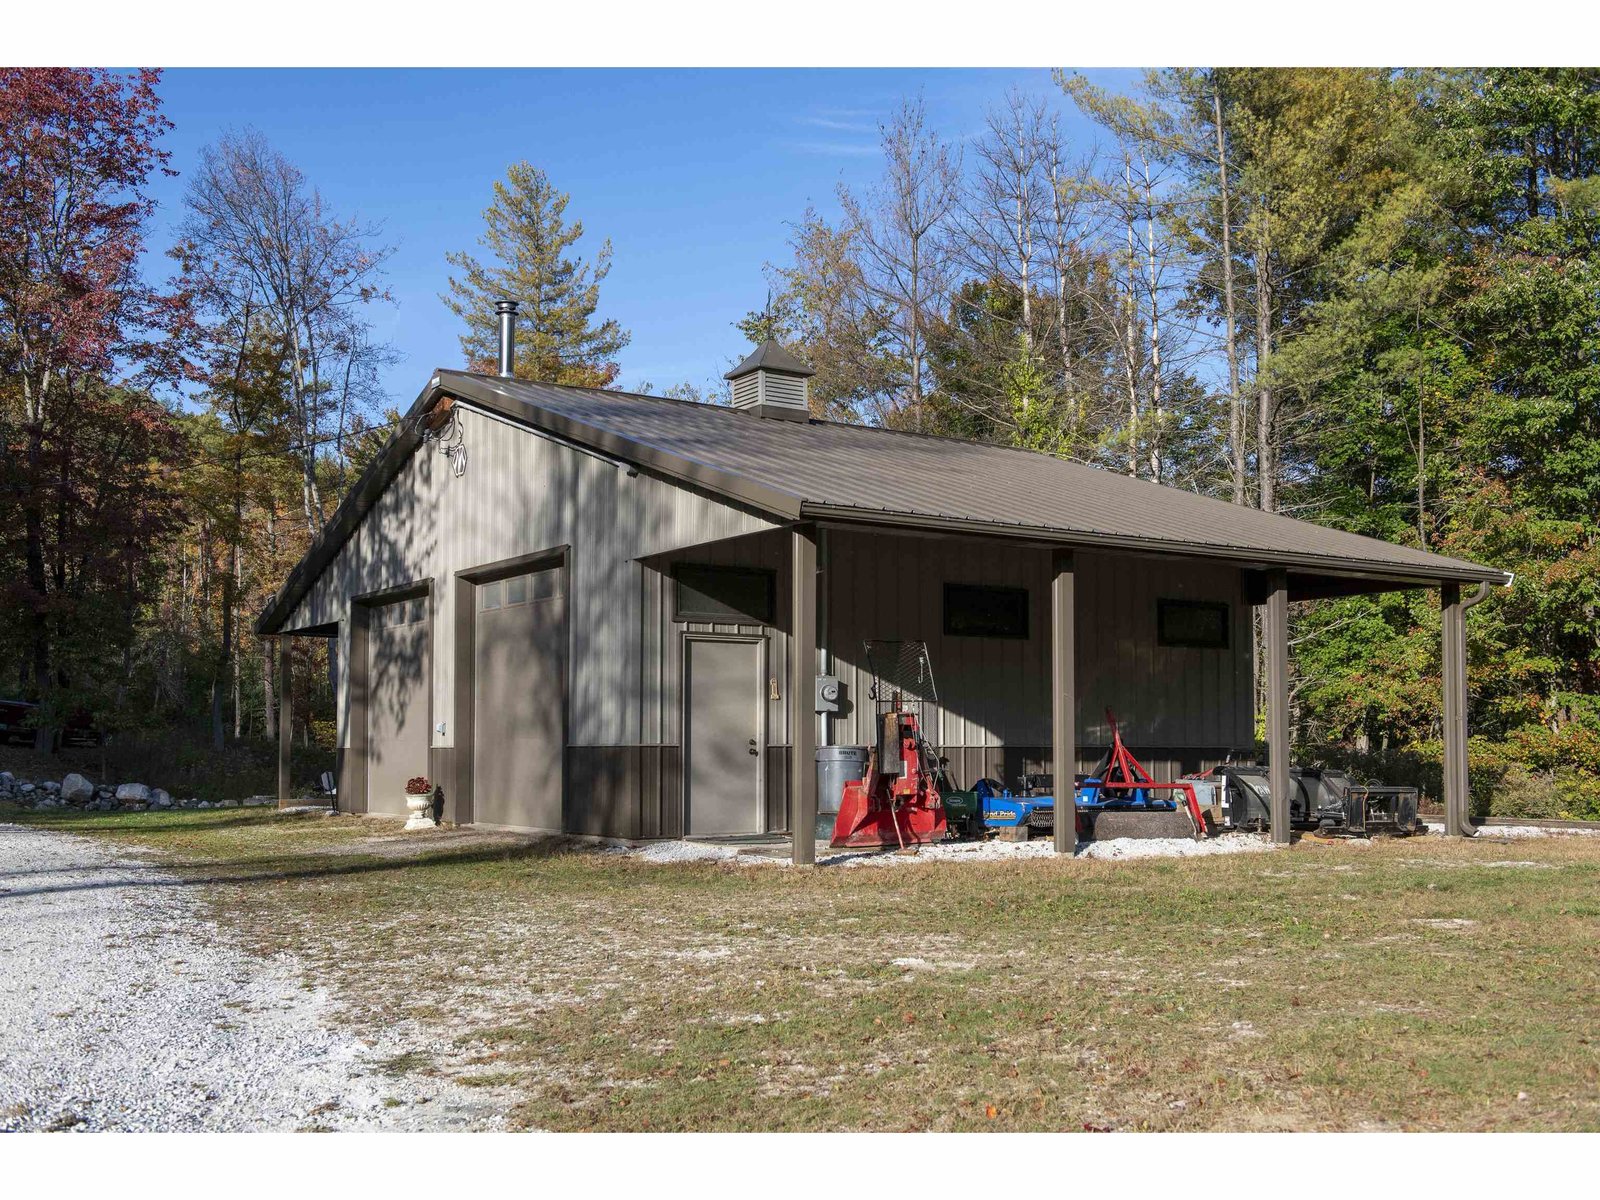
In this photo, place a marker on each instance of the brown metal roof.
(831, 471)
(827, 469)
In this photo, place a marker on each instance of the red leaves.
(76, 150)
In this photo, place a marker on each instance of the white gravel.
(996, 851)
(120, 1008)
(680, 851)
(1490, 832)
(989, 851)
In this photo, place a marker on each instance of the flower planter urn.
(419, 804)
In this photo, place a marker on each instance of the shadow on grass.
(278, 868)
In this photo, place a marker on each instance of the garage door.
(397, 701)
(519, 708)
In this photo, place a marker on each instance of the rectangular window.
(1195, 624)
(517, 590)
(545, 584)
(976, 610)
(736, 594)
(489, 596)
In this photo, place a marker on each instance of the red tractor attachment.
(1122, 776)
(898, 803)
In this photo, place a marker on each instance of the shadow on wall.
(395, 546)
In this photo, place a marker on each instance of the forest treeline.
(1364, 298)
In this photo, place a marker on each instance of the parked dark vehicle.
(18, 726)
(14, 721)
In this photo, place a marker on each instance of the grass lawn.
(1413, 984)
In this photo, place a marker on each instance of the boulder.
(51, 786)
(7, 779)
(160, 798)
(27, 789)
(75, 789)
(133, 793)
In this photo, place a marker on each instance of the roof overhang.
(1387, 575)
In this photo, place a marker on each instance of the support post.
(1276, 634)
(285, 716)
(802, 675)
(1064, 699)
(1453, 625)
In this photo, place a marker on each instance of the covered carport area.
(1270, 584)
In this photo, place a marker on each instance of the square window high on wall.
(980, 610)
(1192, 624)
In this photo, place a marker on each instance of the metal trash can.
(836, 766)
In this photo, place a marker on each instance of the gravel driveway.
(120, 1008)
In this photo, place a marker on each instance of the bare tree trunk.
(1130, 315)
(269, 710)
(269, 647)
(1157, 463)
(1266, 450)
(310, 494)
(914, 325)
(1236, 446)
(1059, 246)
(1025, 253)
(233, 651)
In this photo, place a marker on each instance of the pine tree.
(527, 241)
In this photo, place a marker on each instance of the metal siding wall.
(1161, 695)
(996, 692)
(522, 493)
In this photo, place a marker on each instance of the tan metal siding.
(520, 493)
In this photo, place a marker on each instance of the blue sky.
(692, 174)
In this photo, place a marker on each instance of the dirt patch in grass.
(1409, 984)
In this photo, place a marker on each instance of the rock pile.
(77, 792)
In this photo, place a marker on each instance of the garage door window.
(519, 589)
(405, 612)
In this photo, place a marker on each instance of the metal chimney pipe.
(506, 310)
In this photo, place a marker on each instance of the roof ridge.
(713, 406)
